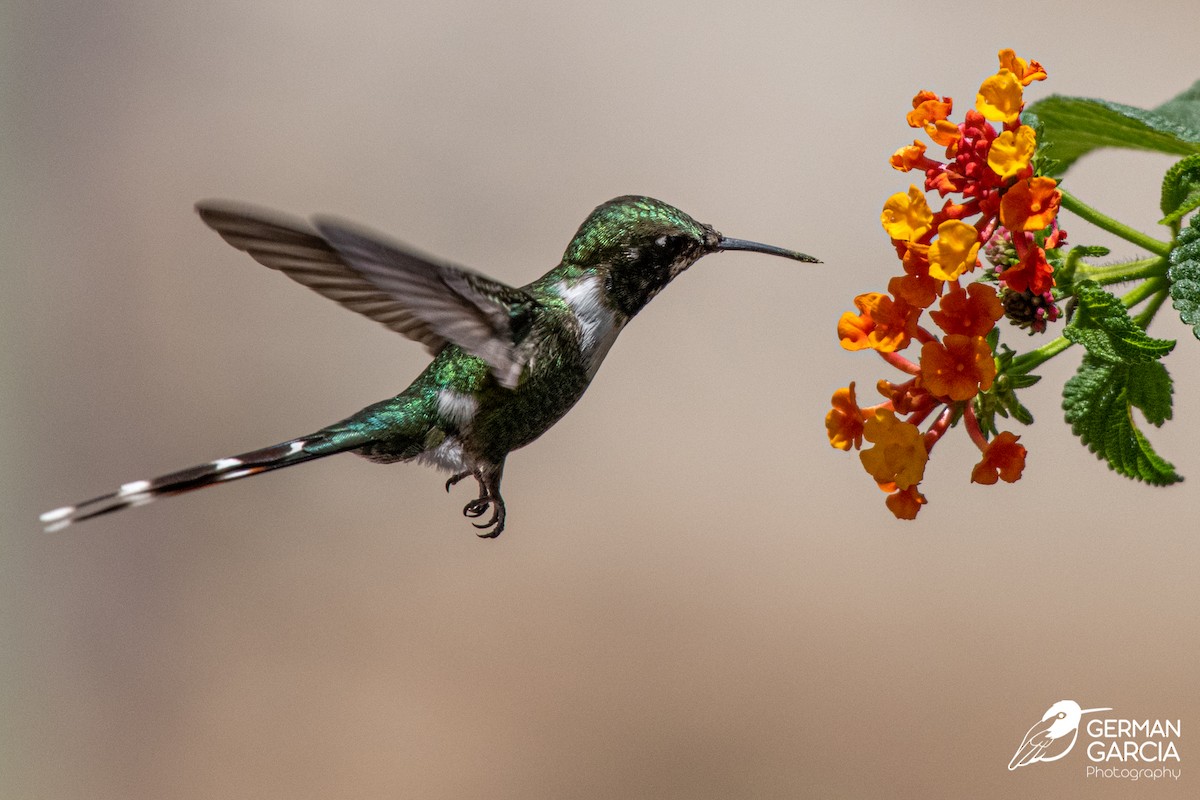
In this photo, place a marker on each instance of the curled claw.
(489, 497)
(495, 524)
(476, 507)
(456, 478)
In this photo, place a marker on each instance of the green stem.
(1144, 290)
(1081, 209)
(1147, 313)
(1027, 362)
(1153, 267)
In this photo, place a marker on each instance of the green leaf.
(1098, 402)
(1019, 412)
(1102, 325)
(1074, 126)
(1181, 190)
(1184, 275)
(1150, 389)
(1184, 108)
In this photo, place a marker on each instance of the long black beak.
(754, 247)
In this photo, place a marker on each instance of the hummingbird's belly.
(513, 419)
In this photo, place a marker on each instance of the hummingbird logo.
(1047, 739)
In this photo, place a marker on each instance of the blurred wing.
(294, 248)
(428, 302)
(484, 317)
(1035, 744)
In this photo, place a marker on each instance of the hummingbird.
(507, 362)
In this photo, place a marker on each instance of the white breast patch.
(598, 323)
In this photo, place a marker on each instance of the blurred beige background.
(696, 596)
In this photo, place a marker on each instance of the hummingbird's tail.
(223, 470)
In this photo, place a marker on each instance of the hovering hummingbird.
(508, 362)
(1043, 741)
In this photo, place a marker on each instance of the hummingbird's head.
(641, 244)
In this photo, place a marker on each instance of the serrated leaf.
(1184, 275)
(1074, 126)
(1181, 190)
(1102, 325)
(1098, 401)
(1150, 389)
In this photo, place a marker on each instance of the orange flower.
(1026, 71)
(916, 289)
(906, 217)
(1032, 273)
(971, 312)
(999, 98)
(905, 397)
(955, 251)
(844, 422)
(931, 114)
(884, 324)
(958, 367)
(899, 453)
(909, 157)
(1030, 205)
(1003, 459)
(905, 504)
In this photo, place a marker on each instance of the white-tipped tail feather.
(223, 470)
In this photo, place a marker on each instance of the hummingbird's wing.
(1037, 739)
(428, 302)
(484, 317)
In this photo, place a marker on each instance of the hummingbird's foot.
(489, 497)
(494, 526)
(454, 479)
(477, 507)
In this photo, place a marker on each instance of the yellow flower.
(1026, 71)
(906, 217)
(1012, 151)
(999, 98)
(955, 250)
(899, 453)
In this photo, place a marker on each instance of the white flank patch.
(226, 463)
(136, 487)
(297, 446)
(447, 456)
(237, 473)
(457, 407)
(597, 321)
(56, 514)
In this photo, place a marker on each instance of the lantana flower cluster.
(992, 201)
